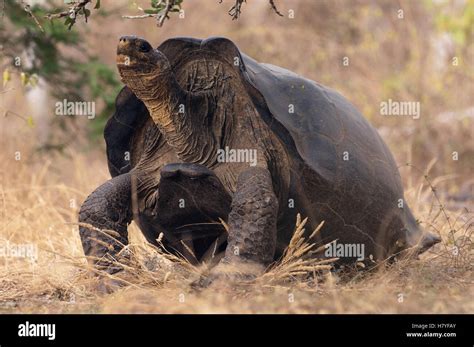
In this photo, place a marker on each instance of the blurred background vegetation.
(400, 50)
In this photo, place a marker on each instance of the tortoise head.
(413, 239)
(138, 62)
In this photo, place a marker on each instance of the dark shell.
(323, 126)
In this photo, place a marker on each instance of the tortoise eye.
(144, 47)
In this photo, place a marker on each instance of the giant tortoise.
(205, 103)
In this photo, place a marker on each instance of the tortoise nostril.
(124, 39)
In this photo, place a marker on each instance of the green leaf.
(151, 11)
(70, 22)
(97, 5)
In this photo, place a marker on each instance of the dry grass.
(37, 210)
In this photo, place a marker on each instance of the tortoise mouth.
(427, 241)
(131, 69)
(123, 60)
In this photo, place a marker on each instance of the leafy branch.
(160, 10)
(76, 9)
(46, 60)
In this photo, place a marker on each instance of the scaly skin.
(107, 208)
(251, 235)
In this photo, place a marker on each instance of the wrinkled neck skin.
(180, 115)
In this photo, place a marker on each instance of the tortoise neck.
(178, 115)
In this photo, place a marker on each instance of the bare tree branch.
(162, 16)
(2, 9)
(140, 16)
(236, 10)
(274, 8)
(27, 9)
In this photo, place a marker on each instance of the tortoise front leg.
(252, 226)
(107, 208)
